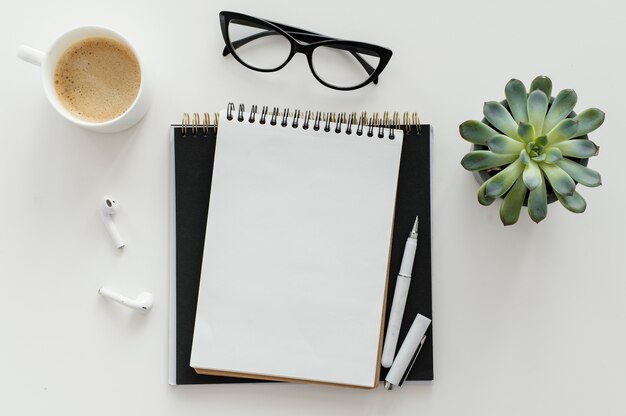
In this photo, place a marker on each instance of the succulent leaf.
(580, 173)
(553, 154)
(526, 132)
(538, 202)
(502, 182)
(542, 83)
(563, 105)
(524, 157)
(589, 120)
(580, 148)
(542, 140)
(537, 107)
(532, 175)
(561, 182)
(512, 204)
(566, 129)
(574, 202)
(476, 132)
(504, 145)
(500, 118)
(485, 159)
(516, 97)
(482, 198)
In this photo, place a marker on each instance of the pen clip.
(408, 369)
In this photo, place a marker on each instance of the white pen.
(399, 297)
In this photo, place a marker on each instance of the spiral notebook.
(296, 254)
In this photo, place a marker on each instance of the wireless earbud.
(108, 209)
(143, 301)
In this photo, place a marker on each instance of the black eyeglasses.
(266, 46)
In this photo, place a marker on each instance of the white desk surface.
(529, 319)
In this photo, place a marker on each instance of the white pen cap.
(408, 352)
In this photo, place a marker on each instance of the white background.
(528, 319)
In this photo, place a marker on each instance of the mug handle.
(31, 55)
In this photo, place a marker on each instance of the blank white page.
(296, 253)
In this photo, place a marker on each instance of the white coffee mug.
(48, 61)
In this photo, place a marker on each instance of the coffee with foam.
(97, 79)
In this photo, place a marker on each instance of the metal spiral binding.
(285, 115)
(416, 122)
(349, 123)
(205, 124)
(359, 127)
(229, 111)
(274, 116)
(191, 124)
(184, 123)
(307, 117)
(195, 122)
(372, 126)
(242, 109)
(375, 119)
(296, 119)
(252, 114)
(329, 118)
(341, 119)
(316, 124)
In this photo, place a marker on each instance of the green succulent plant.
(530, 145)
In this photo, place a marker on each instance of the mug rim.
(49, 67)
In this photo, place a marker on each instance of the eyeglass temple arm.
(305, 36)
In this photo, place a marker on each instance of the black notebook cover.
(193, 167)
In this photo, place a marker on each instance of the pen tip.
(416, 224)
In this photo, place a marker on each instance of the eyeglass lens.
(343, 65)
(259, 47)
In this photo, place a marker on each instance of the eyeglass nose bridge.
(301, 47)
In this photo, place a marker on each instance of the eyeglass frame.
(297, 46)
